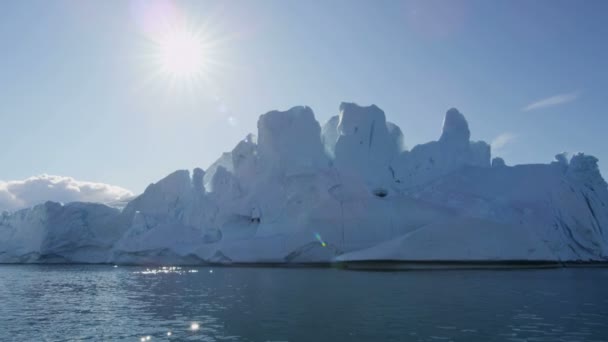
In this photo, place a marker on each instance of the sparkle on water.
(194, 326)
(167, 269)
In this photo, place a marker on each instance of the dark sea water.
(105, 303)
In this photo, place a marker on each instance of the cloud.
(20, 194)
(502, 140)
(553, 101)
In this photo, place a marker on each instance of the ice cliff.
(345, 191)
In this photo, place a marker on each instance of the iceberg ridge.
(299, 192)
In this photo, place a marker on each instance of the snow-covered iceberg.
(347, 191)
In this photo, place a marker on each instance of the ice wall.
(296, 192)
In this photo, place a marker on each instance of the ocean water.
(106, 303)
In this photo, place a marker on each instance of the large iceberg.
(347, 191)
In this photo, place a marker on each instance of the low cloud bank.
(20, 194)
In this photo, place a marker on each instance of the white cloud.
(553, 101)
(38, 189)
(502, 140)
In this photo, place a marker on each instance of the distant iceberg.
(347, 191)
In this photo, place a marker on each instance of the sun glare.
(181, 53)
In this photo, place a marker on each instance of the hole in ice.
(380, 192)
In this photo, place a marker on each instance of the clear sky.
(81, 93)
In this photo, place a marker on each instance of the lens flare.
(320, 239)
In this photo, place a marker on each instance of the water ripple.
(106, 303)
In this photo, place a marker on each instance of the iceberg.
(346, 191)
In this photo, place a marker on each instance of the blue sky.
(79, 96)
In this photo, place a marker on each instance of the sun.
(181, 53)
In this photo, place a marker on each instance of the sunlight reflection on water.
(165, 270)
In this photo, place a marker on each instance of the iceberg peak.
(197, 179)
(584, 168)
(290, 141)
(498, 162)
(364, 144)
(455, 128)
